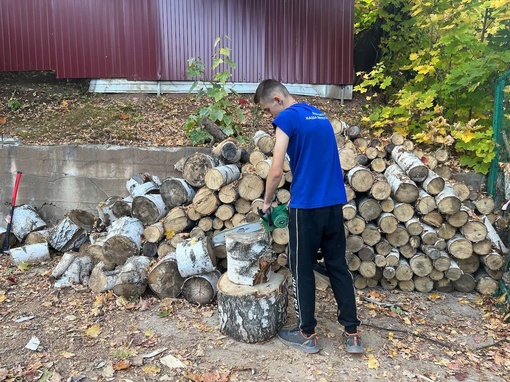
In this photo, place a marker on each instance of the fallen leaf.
(373, 363)
(94, 331)
(67, 354)
(151, 369)
(3, 120)
(122, 365)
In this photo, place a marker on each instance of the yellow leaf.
(151, 369)
(413, 56)
(94, 331)
(390, 336)
(407, 321)
(433, 296)
(373, 363)
(501, 299)
(169, 234)
(67, 355)
(3, 297)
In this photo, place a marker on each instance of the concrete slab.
(57, 179)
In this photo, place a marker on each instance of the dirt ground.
(72, 334)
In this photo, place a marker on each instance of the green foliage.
(441, 58)
(14, 104)
(219, 109)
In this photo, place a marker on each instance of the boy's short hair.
(267, 88)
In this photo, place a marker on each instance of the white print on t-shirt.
(316, 116)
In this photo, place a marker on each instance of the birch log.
(148, 208)
(196, 167)
(217, 177)
(72, 231)
(26, 219)
(410, 164)
(403, 188)
(123, 241)
(131, 281)
(176, 192)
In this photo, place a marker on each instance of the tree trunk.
(213, 129)
(252, 313)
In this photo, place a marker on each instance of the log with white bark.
(201, 289)
(176, 192)
(205, 202)
(227, 151)
(423, 284)
(263, 141)
(387, 222)
(77, 271)
(460, 247)
(102, 280)
(360, 178)
(466, 283)
(403, 188)
(353, 261)
(148, 208)
(255, 157)
(371, 235)
(72, 231)
(252, 313)
(195, 167)
(217, 177)
(474, 230)
(124, 240)
(131, 282)
(31, 253)
(425, 203)
(250, 187)
(177, 220)
(433, 184)
(462, 190)
(393, 258)
(410, 164)
(485, 284)
(447, 200)
(26, 219)
(494, 237)
(485, 205)
(249, 257)
(454, 272)
(368, 208)
(195, 256)
(113, 208)
(142, 184)
(403, 271)
(387, 205)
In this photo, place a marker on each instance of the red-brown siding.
(295, 41)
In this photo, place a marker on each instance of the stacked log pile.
(408, 224)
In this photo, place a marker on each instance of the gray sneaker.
(354, 345)
(295, 338)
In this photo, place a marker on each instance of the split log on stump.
(447, 200)
(195, 168)
(201, 289)
(123, 241)
(205, 202)
(466, 283)
(474, 230)
(131, 281)
(453, 272)
(459, 247)
(250, 187)
(227, 151)
(72, 231)
(263, 141)
(102, 280)
(148, 208)
(433, 183)
(112, 208)
(26, 219)
(252, 313)
(425, 203)
(31, 253)
(410, 164)
(423, 284)
(403, 188)
(368, 208)
(154, 233)
(360, 179)
(71, 270)
(195, 256)
(485, 284)
(380, 189)
(484, 206)
(217, 177)
(249, 257)
(176, 192)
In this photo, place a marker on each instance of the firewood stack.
(408, 224)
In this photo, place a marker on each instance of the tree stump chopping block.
(252, 313)
(249, 256)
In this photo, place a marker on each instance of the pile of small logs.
(409, 224)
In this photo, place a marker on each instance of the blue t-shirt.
(317, 179)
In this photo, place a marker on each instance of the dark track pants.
(309, 230)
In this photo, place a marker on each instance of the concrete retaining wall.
(57, 179)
